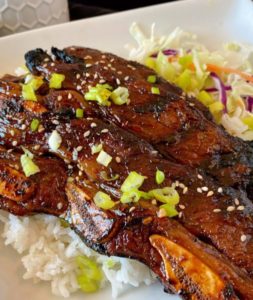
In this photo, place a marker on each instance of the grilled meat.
(208, 214)
(179, 127)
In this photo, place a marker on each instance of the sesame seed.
(177, 183)
(241, 207)
(180, 214)
(220, 190)
(154, 202)
(12, 132)
(112, 60)
(52, 64)
(36, 147)
(200, 177)
(126, 78)
(199, 190)
(161, 213)
(87, 57)
(119, 72)
(217, 210)
(79, 148)
(88, 65)
(46, 59)
(87, 133)
(237, 202)
(113, 69)
(70, 167)
(204, 188)
(132, 209)
(102, 61)
(185, 190)
(243, 237)
(56, 122)
(67, 161)
(59, 98)
(69, 96)
(181, 206)
(23, 127)
(191, 104)
(78, 76)
(92, 125)
(87, 74)
(104, 130)
(9, 150)
(118, 159)
(103, 56)
(78, 87)
(118, 81)
(59, 205)
(77, 178)
(230, 208)
(83, 82)
(101, 81)
(96, 76)
(14, 143)
(181, 185)
(210, 193)
(80, 173)
(105, 68)
(147, 220)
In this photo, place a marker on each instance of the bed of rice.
(48, 251)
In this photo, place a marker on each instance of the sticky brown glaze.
(129, 153)
(42, 192)
(179, 129)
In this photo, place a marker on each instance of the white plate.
(215, 22)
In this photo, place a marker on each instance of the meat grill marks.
(180, 130)
(120, 231)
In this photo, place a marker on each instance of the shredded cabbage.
(222, 80)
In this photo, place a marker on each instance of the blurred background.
(21, 15)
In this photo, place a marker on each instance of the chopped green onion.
(100, 93)
(166, 195)
(159, 176)
(34, 124)
(89, 276)
(35, 82)
(103, 200)
(106, 178)
(28, 92)
(96, 148)
(28, 166)
(56, 80)
(54, 140)
(104, 158)
(79, 113)
(64, 223)
(164, 67)
(151, 79)
(120, 96)
(133, 195)
(170, 210)
(155, 90)
(133, 181)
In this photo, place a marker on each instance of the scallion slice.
(96, 148)
(159, 177)
(120, 96)
(166, 195)
(34, 124)
(54, 141)
(170, 210)
(99, 93)
(28, 166)
(28, 92)
(151, 79)
(56, 80)
(133, 181)
(103, 200)
(104, 158)
(155, 90)
(79, 113)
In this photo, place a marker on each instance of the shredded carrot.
(172, 58)
(215, 68)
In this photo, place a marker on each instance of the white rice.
(48, 251)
